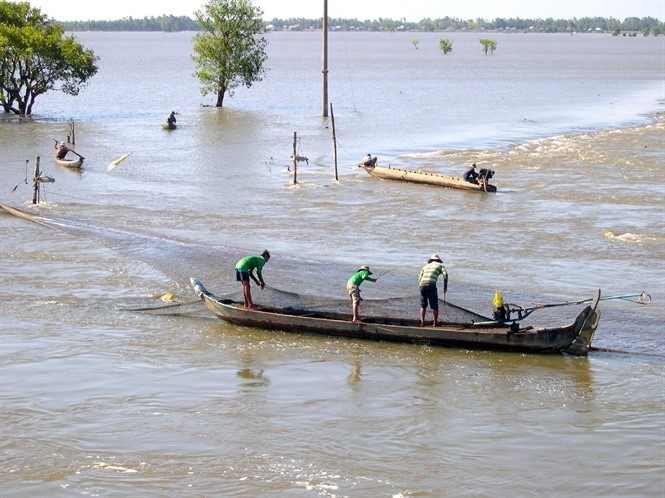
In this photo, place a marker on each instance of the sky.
(411, 10)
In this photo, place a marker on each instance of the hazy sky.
(412, 10)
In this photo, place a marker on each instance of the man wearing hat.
(353, 288)
(428, 293)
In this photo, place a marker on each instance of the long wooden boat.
(414, 176)
(70, 163)
(574, 338)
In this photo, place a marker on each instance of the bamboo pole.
(35, 185)
(324, 58)
(295, 160)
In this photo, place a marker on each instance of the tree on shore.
(488, 45)
(230, 50)
(36, 56)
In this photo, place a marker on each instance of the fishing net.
(395, 307)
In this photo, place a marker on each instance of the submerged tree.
(36, 56)
(488, 45)
(230, 49)
(446, 46)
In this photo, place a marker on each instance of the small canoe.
(169, 126)
(414, 176)
(574, 338)
(70, 163)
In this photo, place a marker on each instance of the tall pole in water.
(324, 69)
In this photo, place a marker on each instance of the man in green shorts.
(245, 269)
(352, 287)
(427, 281)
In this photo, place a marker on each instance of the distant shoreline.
(629, 26)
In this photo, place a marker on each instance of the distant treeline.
(161, 23)
(646, 25)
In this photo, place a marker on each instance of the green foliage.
(162, 23)
(36, 56)
(230, 50)
(446, 24)
(446, 46)
(489, 46)
(646, 25)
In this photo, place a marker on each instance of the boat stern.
(587, 324)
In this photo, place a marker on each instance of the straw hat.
(366, 268)
(434, 257)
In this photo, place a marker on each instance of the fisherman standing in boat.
(428, 293)
(61, 150)
(470, 175)
(245, 269)
(353, 288)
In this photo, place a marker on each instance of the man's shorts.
(354, 292)
(242, 276)
(428, 293)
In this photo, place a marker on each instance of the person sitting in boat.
(61, 150)
(470, 175)
(368, 160)
(171, 119)
(353, 288)
(428, 293)
(245, 270)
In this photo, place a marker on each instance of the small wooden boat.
(169, 126)
(413, 176)
(70, 163)
(574, 338)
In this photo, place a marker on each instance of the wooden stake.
(324, 57)
(35, 185)
(295, 160)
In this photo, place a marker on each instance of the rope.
(166, 306)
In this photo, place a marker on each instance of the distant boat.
(414, 176)
(169, 126)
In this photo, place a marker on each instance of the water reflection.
(252, 377)
(354, 376)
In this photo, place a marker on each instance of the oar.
(113, 164)
(74, 152)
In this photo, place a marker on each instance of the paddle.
(74, 152)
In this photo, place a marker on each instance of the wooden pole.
(35, 185)
(332, 117)
(73, 131)
(295, 161)
(324, 69)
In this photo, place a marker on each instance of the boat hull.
(70, 163)
(412, 176)
(574, 338)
